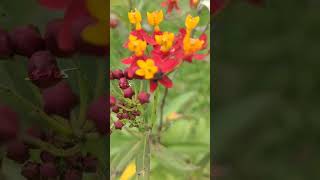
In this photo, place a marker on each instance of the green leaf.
(178, 103)
(172, 160)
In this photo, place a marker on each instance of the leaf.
(172, 160)
(128, 157)
(178, 103)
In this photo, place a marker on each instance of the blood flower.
(170, 5)
(154, 19)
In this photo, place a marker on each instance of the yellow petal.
(140, 72)
(96, 34)
(149, 75)
(150, 62)
(98, 8)
(141, 64)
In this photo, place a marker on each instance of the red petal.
(168, 65)
(166, 81)
(128, 60)
(54, 4)
(199, 56)
(153, 85)
(164, 4)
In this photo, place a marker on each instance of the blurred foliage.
(187, 137)
(266, 91)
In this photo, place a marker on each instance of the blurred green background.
(189, 135)
(266, 109)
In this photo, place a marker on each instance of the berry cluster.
(127, 107)
(49, 166)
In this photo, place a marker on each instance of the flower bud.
(143, 97)
(59, 99)
(128, 93)
(73, 174)
(51, 39)
(117, 74)
(98, 112)
(113, 101)
(6, 49)
(89, 163)
(115, 109)
(47, 157)
(9, 124)
(118, 124)
(43, 69)
(26, 40)
(49, 170)
(123, 83)
(18, 151)
(31, 171)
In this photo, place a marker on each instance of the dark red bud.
(118, 124)
(18, 151)
(98, 112)
(143, 97)
(117, 74)
(6, 49)
(31, 171)
(43, 69)
(49, 170)
(26, 40)
(128, 93)
(9, 124)
(59, 99)
(73, 174)
(89, 163)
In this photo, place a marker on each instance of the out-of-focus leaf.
(171, 160)
(177, 104)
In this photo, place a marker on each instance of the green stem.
(50, 148)
(56, 126)
(100, 78)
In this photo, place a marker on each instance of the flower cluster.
(168, 52)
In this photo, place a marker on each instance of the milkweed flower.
(170, 5)
(154, 19)
(136, 45)
(147, 69)
(191, 22)
(165, 41)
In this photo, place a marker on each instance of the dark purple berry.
(18, 151)
(9, 124)
(31, 171)
(43, 69)
(26, 40)
(123, 83)
(125, 116)
(47, 157)
(98, 112)
(89, 163)
(59, 99)
(73, 174)
(6, 49)
(49, 170)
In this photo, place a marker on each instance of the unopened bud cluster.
(128, 107)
